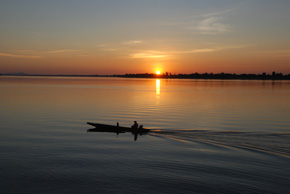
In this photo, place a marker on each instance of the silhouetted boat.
(114, 128)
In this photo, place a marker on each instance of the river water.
(208, 136)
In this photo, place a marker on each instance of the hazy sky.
(138, 36)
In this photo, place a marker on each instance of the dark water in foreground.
(209, 136)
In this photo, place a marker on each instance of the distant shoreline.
(220, 76)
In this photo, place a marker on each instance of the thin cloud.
(19, 56)
(206, 50)
(274, 53)
(212, 49)
(214, 14)
(282, 54)
(101, 45)
(207, 24)
(110, 49)
(167, 54)
(40, 54)
(149, 54)
(134, 42)
(62, 51)
(212, 25)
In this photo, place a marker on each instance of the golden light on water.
(157, 87)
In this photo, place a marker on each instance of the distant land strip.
(167, 75)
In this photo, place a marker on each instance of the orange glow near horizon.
(103, 65)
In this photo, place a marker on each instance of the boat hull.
(112, 128)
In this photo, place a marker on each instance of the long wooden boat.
(114, 128)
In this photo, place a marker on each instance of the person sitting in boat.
(135, 126)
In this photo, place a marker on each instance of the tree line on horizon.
(263, 76)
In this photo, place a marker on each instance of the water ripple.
(271, 143)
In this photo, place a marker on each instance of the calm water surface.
(210, 136)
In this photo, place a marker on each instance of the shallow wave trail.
(272, 143)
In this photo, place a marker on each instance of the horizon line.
(167, 75)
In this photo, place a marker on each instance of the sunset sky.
(139, 36)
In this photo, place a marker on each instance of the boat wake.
(272, 143)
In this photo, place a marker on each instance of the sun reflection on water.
(157, 87)
(157, 91)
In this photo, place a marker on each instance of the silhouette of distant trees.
(263, 76)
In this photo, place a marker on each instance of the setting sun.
(158, 72)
